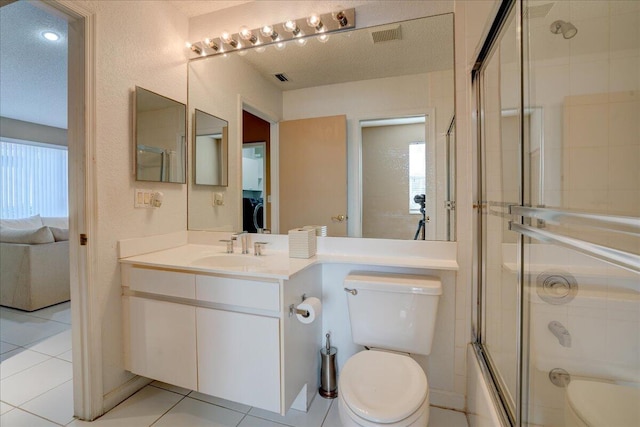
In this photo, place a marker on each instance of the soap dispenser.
(328, 370)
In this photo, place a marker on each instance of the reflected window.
(417, 174)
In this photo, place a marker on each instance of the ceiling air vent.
(282, 77)
(387, 34)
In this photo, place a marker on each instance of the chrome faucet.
(560, 332)
(243, 236)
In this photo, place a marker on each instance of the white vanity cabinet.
(162, 338)
(239, 357)
(222, 335)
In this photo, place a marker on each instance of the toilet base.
(419, 418)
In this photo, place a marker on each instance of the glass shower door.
(581, 254)
(500, 98)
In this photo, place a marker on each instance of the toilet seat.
(599, 404)
(383, 387)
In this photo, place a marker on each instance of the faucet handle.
(257, 248)
(229, 243)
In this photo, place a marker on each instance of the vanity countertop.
(273, 264)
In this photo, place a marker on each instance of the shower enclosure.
(557, 87)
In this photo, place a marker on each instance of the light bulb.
(341, 18)
(213, 45)
(51, 36)
(292, 27)
(247, 34)
(228, 39)
(315, 22)
(268, 31)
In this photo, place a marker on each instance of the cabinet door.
(239, 357)
(163, 341)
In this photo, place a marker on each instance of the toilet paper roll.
(313, 306)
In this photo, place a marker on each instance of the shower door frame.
(509, 416)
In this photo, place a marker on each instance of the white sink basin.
(228, 260)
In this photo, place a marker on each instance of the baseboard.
(447, 399)
(123, 392)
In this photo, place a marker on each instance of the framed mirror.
(160, 138)
(376, 82)
(211, 149)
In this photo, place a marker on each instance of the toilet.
(393, 315)
(599, 404)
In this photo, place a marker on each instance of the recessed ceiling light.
(51, 36)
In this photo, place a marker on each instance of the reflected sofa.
(34, 262)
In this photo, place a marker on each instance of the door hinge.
(83, 239)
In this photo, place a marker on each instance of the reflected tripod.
(420, 199)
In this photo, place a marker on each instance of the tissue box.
(302, 243)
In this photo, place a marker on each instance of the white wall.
(137, 43)
(142, 43)
(211, 89)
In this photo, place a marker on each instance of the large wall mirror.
(160, 138)
(358, 132)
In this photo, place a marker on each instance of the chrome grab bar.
(620, 258)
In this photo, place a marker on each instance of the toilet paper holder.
(294, 310)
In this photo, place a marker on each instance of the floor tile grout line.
(41, 395)
(167, 411)
(39, 416)
(327, 414)
(32, 366)
(219, 406)
(35, 397)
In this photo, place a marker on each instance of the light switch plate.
(142, 198)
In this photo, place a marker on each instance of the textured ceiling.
(33, 71)
(193, 8)
(426, 46)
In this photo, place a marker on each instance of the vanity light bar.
(274, 34)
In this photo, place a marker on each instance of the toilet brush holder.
(328, 372)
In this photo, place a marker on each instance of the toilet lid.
(603, 405)
(382, 387)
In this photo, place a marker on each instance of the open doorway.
(256, 173)
(39, 379)
(35, 317)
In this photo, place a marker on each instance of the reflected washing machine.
(252, 214)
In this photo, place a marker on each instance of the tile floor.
(36, 388)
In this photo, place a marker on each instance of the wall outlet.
(143, 198)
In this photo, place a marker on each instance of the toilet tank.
(393, 311)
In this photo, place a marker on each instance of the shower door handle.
(339, 218)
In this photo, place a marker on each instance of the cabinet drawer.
(163, 282)
(238, 292)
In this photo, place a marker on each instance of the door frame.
(354, 158)
(85, 324)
